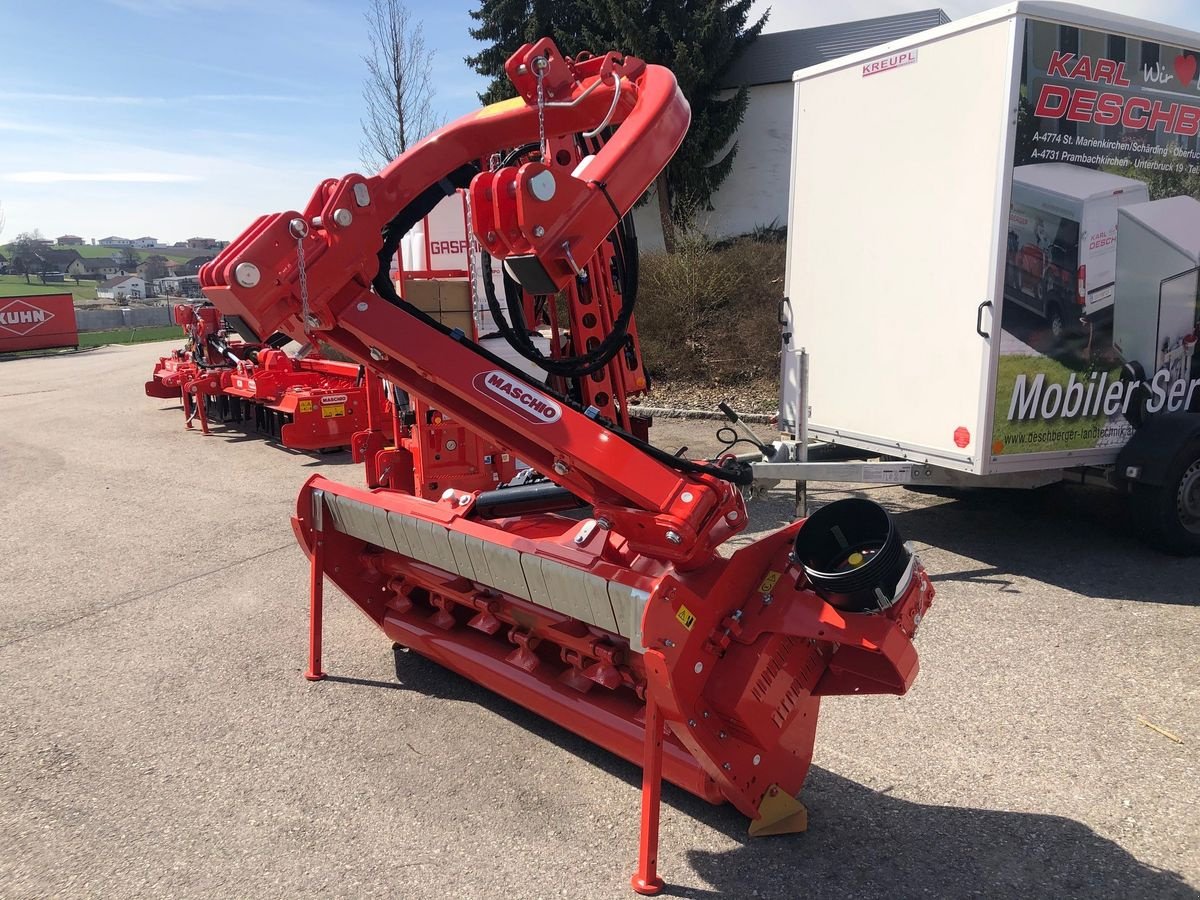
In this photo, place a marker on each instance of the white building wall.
(756, 191)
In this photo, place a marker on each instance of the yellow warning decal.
(305, 406)
(685, 617)
(768, 583)
(332, 412)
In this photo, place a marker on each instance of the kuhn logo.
(20, 317)
(533, 406)
(332, 399)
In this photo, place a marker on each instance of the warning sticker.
(685, 617)
(305, 406)
(769, 582)
(332, 412)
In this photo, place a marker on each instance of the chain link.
(472, 250)
(305, 316)
(541, 107)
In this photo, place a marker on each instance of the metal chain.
(472, 249)
(304, 313)
(541, 107)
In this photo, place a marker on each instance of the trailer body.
(901, 234)
(1158, 261)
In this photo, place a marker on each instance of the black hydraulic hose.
(416, 210)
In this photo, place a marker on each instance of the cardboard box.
(422, 293)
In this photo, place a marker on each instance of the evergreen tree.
(504, 25)
(698, 41)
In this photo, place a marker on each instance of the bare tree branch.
(397, 88)
(1, 220)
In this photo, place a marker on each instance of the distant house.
(115, 242)
(198, 261)
(145, 243)
(69, 240)
(756, 190)
(182, 286)
(56, 260)
(123, 287)
(202, 243)
(99, 269)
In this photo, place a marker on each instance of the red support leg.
(645, 880)
(316, 590)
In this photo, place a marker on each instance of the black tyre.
(1058, 324)
(1131, 373)
(1168, 516)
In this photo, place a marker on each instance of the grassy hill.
(89, 251)
(15, 286)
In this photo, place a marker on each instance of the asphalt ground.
(157, 738)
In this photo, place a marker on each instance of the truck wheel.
(1058, 325)
(1168, 515)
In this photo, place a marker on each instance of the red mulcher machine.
(596, 595)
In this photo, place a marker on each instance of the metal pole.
(645, 880)
(316, 588)
(802, 435)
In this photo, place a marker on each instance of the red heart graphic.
(1185, 68)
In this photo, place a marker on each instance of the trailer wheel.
(1168, 515)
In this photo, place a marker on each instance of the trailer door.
(1097, 275)
(1177, 320)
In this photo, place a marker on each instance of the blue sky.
(176, 118)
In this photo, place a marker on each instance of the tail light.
(1081, 290)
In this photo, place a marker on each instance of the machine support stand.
(646, 881)
(316, 590)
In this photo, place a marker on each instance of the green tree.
(698, 40)
(504, 25)
(156, 267)
(129, 259)
(25, 260)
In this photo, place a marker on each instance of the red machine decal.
(528, 403)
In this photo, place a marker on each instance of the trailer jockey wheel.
(1169, 514)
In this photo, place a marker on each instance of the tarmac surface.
(157, 738)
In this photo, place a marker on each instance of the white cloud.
(115, 177)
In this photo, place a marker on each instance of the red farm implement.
(591, 590)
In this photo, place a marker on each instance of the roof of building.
(1072, 183)
(59, 259)
(1174, 219)
(774, 57)
(120, 279)
(99, 262)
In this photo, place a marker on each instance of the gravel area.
(157, 738)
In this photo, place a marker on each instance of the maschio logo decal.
(21, 317)
(529, 403)
(332, 399)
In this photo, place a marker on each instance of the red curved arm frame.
(661, 511)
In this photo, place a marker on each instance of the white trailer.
(1158, 262)
(907, 162)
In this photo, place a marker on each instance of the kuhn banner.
(1102, 250)
(37, 322)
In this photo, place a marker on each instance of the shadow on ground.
(1070, 536)
(861, 842)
